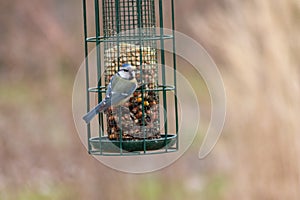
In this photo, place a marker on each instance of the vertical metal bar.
(124, 16)
(153, 13)
(128, 17)
(97, 28)
(139, 12)
(86, 73)
(121, 131)
(128, 28)
(117, 16)
(104, 19)
(175, 72)
(117, 3)
(163, 62)
(98, 53)
(153, 20)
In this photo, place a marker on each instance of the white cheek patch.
(124, 75)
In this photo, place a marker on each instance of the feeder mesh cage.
(125, 23)
(127, 32)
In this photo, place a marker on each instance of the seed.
(111, 136)
(135, 109)
(109, 110)
(146, 103)
(152, 53)
(152, 103)
(140, 58)
(148, 119)
(151, 85)
(140, 113)
(135, 94)
(137, 49)
(111, 118)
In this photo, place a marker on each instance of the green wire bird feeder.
(131, 31)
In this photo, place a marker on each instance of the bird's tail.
(90, 115)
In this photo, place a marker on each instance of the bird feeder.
(131, 31)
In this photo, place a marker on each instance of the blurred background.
(256, 46)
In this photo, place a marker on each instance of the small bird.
(121, 87)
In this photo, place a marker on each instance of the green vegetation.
(58, 192)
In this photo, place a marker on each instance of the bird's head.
(127, 71)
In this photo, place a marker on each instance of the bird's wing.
(119, 96)
(119, 89)
(109, 86)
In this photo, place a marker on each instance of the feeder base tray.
(107, 145)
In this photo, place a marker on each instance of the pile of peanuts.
(139, 117)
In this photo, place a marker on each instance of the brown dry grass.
(254, 43)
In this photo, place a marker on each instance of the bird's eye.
(125, 70)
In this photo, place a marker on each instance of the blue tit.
(121, 87)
